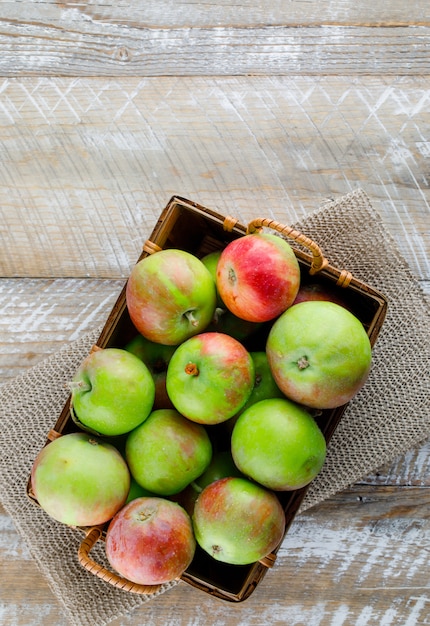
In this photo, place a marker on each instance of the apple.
(170, 296)
(318, 291)
(210, 377)
(156, 357)
(237, 521)
(278, 444)
(112, 392)
(167, 452)
(223, 320)
(264, 385)
(80, 480)
(319, 354)
(150, 541)
(258, 276)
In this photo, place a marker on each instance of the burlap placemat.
(389, 415)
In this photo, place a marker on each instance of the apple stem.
(219, 312)
(190, 317)
(79, 385)
(192, 369)
(196, 487)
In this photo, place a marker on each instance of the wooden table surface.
(258, 108)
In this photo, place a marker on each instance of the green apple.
(319, 354)
(264, 385)
(137, 491)
(167, 452)
(221, 466)
(278, 444)
(112, 392)
(80, 480)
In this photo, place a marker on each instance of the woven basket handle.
(318, 259)
(91, 538)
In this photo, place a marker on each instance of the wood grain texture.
(170, 13)
(104, 39)
(88, 164)
(40, 316)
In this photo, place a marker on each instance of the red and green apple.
(150, 541)
(210, 377)
(170, 296)
(237, 521)
(224, 321)
(258, 276)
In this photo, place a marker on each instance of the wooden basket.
(188, 226)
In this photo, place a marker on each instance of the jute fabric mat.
(388, 416)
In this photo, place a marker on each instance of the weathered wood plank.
(169, 13)
(88, 164)
(30, 602)
(87, 39)
(275, 50)
(383, 547)
(39, 317)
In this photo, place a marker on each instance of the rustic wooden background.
(269, 108)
